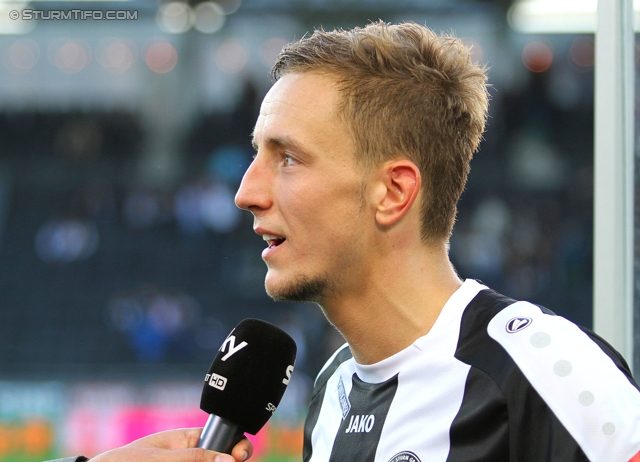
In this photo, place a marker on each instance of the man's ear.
(398, 187)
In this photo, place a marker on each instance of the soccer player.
(363, 147)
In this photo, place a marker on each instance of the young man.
(363, 147)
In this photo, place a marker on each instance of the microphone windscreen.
(249, 374)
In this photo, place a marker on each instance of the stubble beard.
(302, 289)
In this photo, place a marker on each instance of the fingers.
(242, 451)
(188, 438)
(154, 454)
(196, 455)
(174, 446)
(183, 438)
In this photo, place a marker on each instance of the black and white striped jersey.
(494, 380)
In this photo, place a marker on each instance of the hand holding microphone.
(170, 446)
(242, 389)
(245, 383)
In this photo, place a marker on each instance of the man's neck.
(399, 302)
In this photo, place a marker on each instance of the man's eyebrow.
(278, 141)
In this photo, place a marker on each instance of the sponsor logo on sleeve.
(517, 324)
(345, 405)
(405, 456)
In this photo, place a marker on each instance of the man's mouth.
(273, 241)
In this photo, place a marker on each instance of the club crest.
(405, 456)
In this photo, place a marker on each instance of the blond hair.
(405, 92)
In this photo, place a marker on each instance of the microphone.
(245, 383)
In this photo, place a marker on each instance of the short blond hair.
(405, 92)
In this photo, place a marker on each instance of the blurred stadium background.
(123, 261)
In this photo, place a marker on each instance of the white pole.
(613, 176)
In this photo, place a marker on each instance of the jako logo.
(216, 381)
(517, 324)
(361, 423)
(233, 349)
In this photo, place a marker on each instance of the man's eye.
(288, 160)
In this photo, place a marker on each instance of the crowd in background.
(98, 268)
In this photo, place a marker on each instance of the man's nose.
(253, 193)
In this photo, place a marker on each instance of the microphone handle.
(219, 435)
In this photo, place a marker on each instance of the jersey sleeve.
(585, 383)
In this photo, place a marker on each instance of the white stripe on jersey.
(574, 377)
(435, 373)
(331, 412)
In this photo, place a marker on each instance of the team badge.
(517, 324)
(405, 456)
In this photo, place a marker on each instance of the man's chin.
(302, 288)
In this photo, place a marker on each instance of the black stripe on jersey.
(535, 433)
(490, 440)
(317, 397)
(359, 433)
